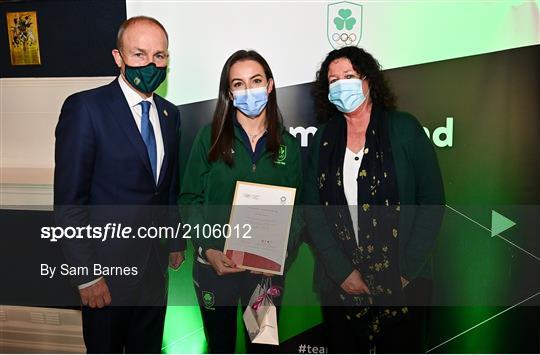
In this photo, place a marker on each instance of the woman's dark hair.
(365, 65)
(222, 123)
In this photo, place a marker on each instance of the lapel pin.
(165, 113)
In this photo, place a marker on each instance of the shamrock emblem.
(282, 154)
(208, 299)
(344, 20)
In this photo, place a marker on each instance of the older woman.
(376, 173)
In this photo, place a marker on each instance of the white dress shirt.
(351, 166)
(134, 100)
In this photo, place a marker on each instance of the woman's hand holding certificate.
(222, 264)
(267, 209)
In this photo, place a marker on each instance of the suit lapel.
(164, 124)
(123, 115)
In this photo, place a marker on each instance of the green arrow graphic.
(499, 223)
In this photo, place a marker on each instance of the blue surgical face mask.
(346, 94)
(251, 101)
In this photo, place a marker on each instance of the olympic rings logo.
(343, 39)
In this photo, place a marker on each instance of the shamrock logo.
(282, 154)
(344, 20)
(208, 299)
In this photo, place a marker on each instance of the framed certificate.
(267, 211)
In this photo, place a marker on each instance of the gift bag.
(260, 316)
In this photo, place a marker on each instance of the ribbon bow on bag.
(271, 292)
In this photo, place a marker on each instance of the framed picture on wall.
(23, 38)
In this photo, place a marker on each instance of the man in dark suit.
(117, 162)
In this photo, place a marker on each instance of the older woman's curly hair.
(365, 65)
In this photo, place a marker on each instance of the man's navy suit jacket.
(103, 175)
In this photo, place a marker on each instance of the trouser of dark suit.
(406, 336)
(135, 326)
(218, 298)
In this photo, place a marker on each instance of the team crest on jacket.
(282, 155)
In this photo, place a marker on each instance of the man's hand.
(97, 295)
(221, 263)
(354, 285)
(176, 258)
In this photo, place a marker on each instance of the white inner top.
(351, 167)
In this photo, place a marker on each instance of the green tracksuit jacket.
(208, 188)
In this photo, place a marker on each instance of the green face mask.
(147, 78)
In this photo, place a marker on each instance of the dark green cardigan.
(421, 196)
